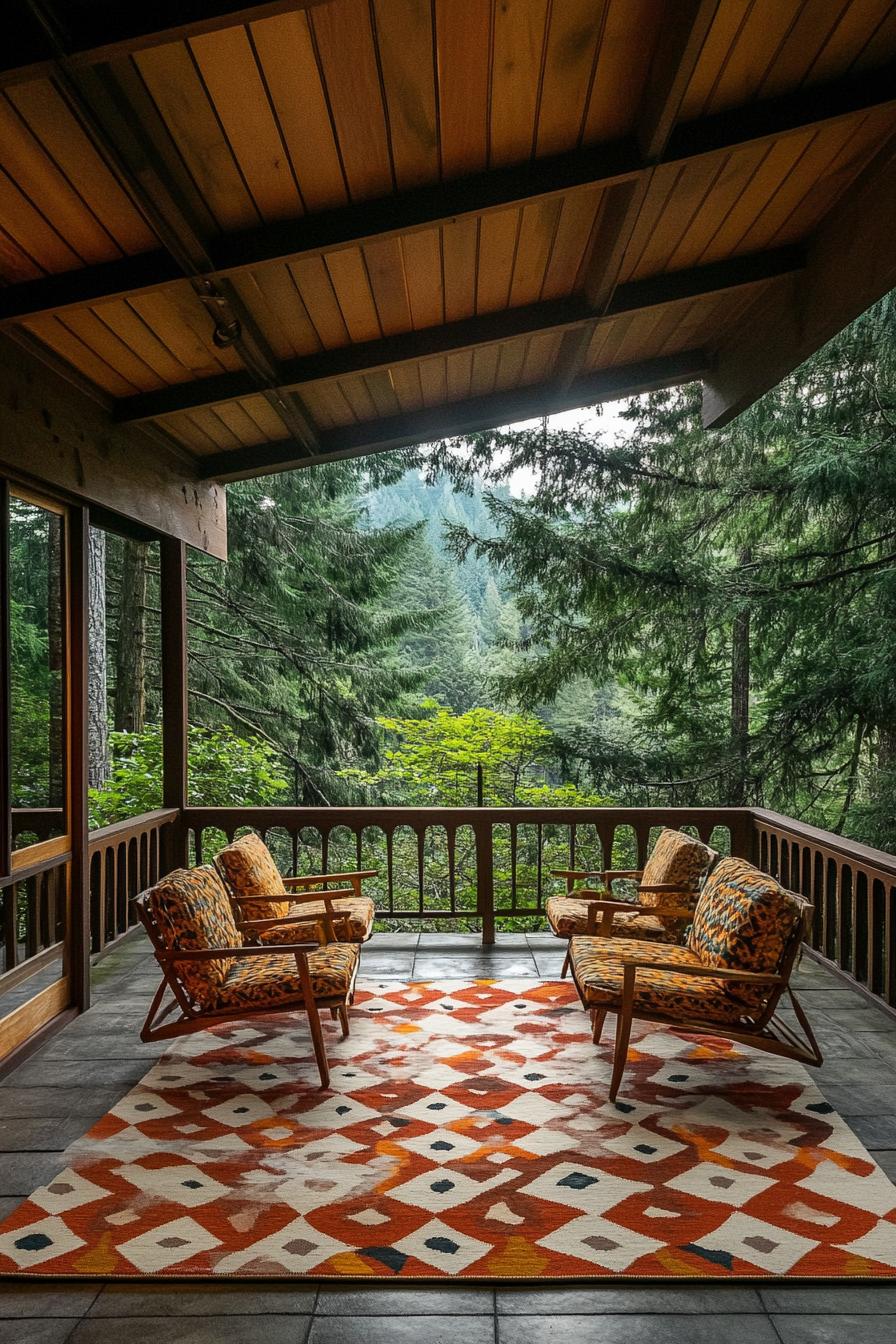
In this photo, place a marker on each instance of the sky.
(606, 418)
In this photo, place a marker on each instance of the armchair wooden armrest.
(246, 950)
(328, 921)
(610, 908)
(297, 899)
(635, 964)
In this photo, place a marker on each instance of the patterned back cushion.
(679, 858)
(743, 920)
(249, 870)
(192, 909)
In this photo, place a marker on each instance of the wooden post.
(78, 653)
(485, 880)
(5, 702)
(173, 590)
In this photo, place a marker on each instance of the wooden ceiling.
(280, 232)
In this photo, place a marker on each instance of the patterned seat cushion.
(358, 927)
(568, 916)
(744, 919)
(254, 982)
(249, 869)
(192, 909)
(597, 967)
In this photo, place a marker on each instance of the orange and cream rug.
(467, 1135)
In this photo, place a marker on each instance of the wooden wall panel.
(52, 434)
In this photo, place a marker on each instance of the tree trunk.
(740, 699)
(130, 653)
(97, 704)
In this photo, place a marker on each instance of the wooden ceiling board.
(574, 32)
(31, 232)
(382, 392)
(519, 29)
(173, 81)
(25, 160)
(406, 382)
(271, 296)
(15, 265)
(58, 337)
(485, 369)
(351, 285)
(422, 257)
(111, 348)
(385, 266)
(538, 227)
(463, 71)
(358, 399)
(345, 48)
(120, 316)
(577, 220)
(629, 33)
(498, 234)
(286, 56)
(63, 140)
(312, 280)
(404, 38)
(226, 62)
(433, 381)
(176, 316)
(459, 249)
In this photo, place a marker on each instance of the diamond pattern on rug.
(467, 1134)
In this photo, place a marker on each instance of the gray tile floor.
(58, 1093)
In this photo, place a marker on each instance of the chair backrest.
(677, 857)
(248, 868)
(186, 910)
(745, 920)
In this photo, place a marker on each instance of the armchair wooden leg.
(565, 969)
(343, 1018)
(598, 1017)
(320, 1050)
(620, 1051)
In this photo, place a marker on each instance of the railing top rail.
(862, 855)
(118, 830)
(331, 817)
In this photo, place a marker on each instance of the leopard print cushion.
(568, 917)
(248, 868)
(677, 857)
(597, 968)
(356, 929)
(253, 982)
(743, 919)
(192, 909)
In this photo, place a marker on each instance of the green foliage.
(225, 771)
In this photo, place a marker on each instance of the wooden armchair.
(727, 981)
(213, 975)
(272, 908)
(668, 886)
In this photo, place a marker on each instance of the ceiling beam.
(105, 29)
(850, 264)
(612, 165)
(556, 315)
(459, 418)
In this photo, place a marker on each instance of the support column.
(173, 591)
(78, 654)
(5, 702)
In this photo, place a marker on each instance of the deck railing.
(485, 867)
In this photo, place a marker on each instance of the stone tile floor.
(57, 1094)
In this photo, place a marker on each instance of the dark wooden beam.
(850, 264)
(78, 525)
(175, 729)
(617, 165)
(104, 29)
(556, 315)
(52, 435)
(463, 417)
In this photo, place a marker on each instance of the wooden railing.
(125, 858)
(851, 886)
(480, 865)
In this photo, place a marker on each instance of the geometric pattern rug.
(466, 1135)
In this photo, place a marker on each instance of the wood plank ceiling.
(286, 231)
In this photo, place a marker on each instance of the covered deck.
(244, 238)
